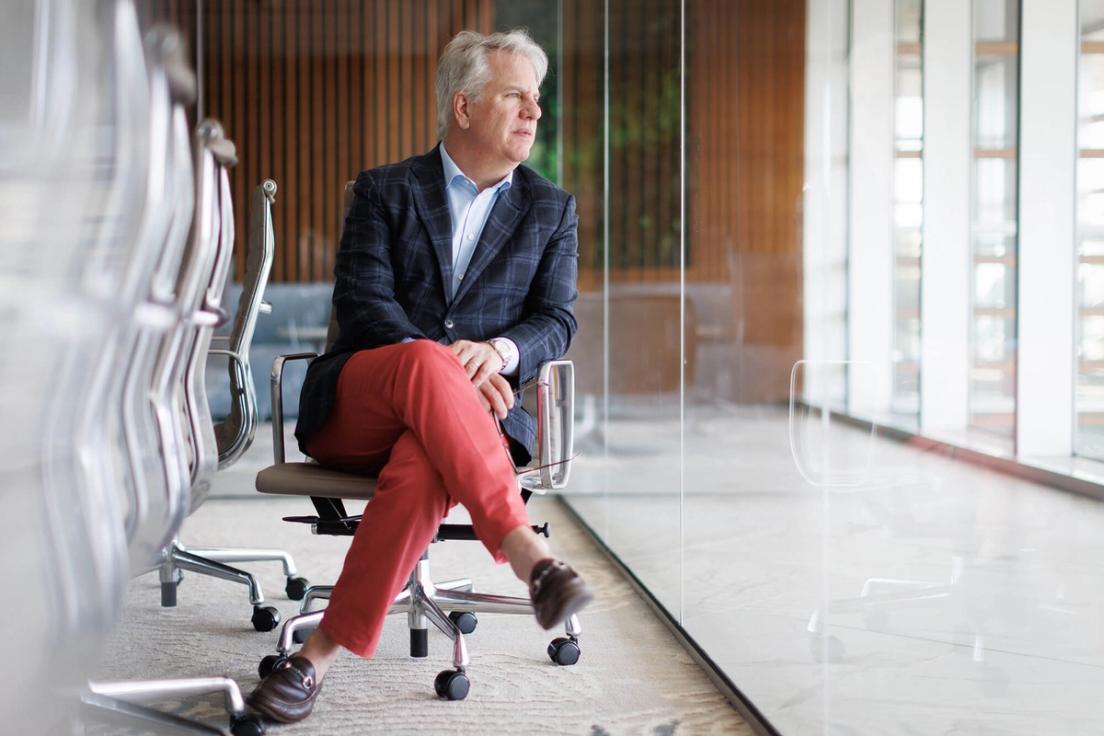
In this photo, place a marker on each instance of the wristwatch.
(505, 349)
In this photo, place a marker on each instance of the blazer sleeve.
(549, 325)
(364, 290)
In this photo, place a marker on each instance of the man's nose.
(531, 110)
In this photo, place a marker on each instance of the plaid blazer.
(394, 268)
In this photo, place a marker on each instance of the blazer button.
(448, 323)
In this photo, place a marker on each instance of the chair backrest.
(221, 155)
(235, 434)
(333, 330)
(155, 445)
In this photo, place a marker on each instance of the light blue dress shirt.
(469, 209)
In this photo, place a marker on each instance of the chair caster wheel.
(249, 725)
(564, 651)
(296, 588)
(466, 621)
(265, 618)
(452, 685)
(269, 663)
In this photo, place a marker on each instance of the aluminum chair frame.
(235, 434)
(69, 571)
(214, 234)
(167, 73)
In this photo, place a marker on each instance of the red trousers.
(409, 412)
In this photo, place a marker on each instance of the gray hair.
(463, 66)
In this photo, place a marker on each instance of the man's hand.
(497, 395)
(479, 359)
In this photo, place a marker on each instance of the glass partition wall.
(1090, 222)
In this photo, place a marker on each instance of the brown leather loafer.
(288, 693)
(557, 591)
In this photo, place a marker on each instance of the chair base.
(116, 704)
(212, 561)
(425, 602)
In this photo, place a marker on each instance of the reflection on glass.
(994, 215)
(908, 209)
(1089, 399)
(630, 376)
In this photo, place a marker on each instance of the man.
(455, 281)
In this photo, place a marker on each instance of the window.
(1089, 401)
(908, 206)
(994, 216)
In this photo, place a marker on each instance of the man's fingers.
(483, 400)
(504, 388)
(485, 371)
(498, 404)
(493, 400)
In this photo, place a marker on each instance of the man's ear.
(460, 110)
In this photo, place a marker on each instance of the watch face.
(503, 350)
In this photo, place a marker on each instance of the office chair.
(217, 446)
(423, 600)
(235, 433)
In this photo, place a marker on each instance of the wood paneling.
(582, 124)
(745, 170)
(315, 91)
(744, 144)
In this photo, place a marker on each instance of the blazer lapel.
(433, 211)
(501, 224)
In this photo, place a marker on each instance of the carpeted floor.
(633, 677)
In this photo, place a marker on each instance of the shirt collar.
(452, 171)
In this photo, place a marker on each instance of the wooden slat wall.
(745, 86)
(582, 125)
(744, 146)
(315, 91)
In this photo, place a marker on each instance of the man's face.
(504, 117)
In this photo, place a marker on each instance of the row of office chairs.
(116, 238)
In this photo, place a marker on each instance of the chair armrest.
(277, 387)
(555, 422)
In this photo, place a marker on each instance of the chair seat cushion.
(311, 479)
